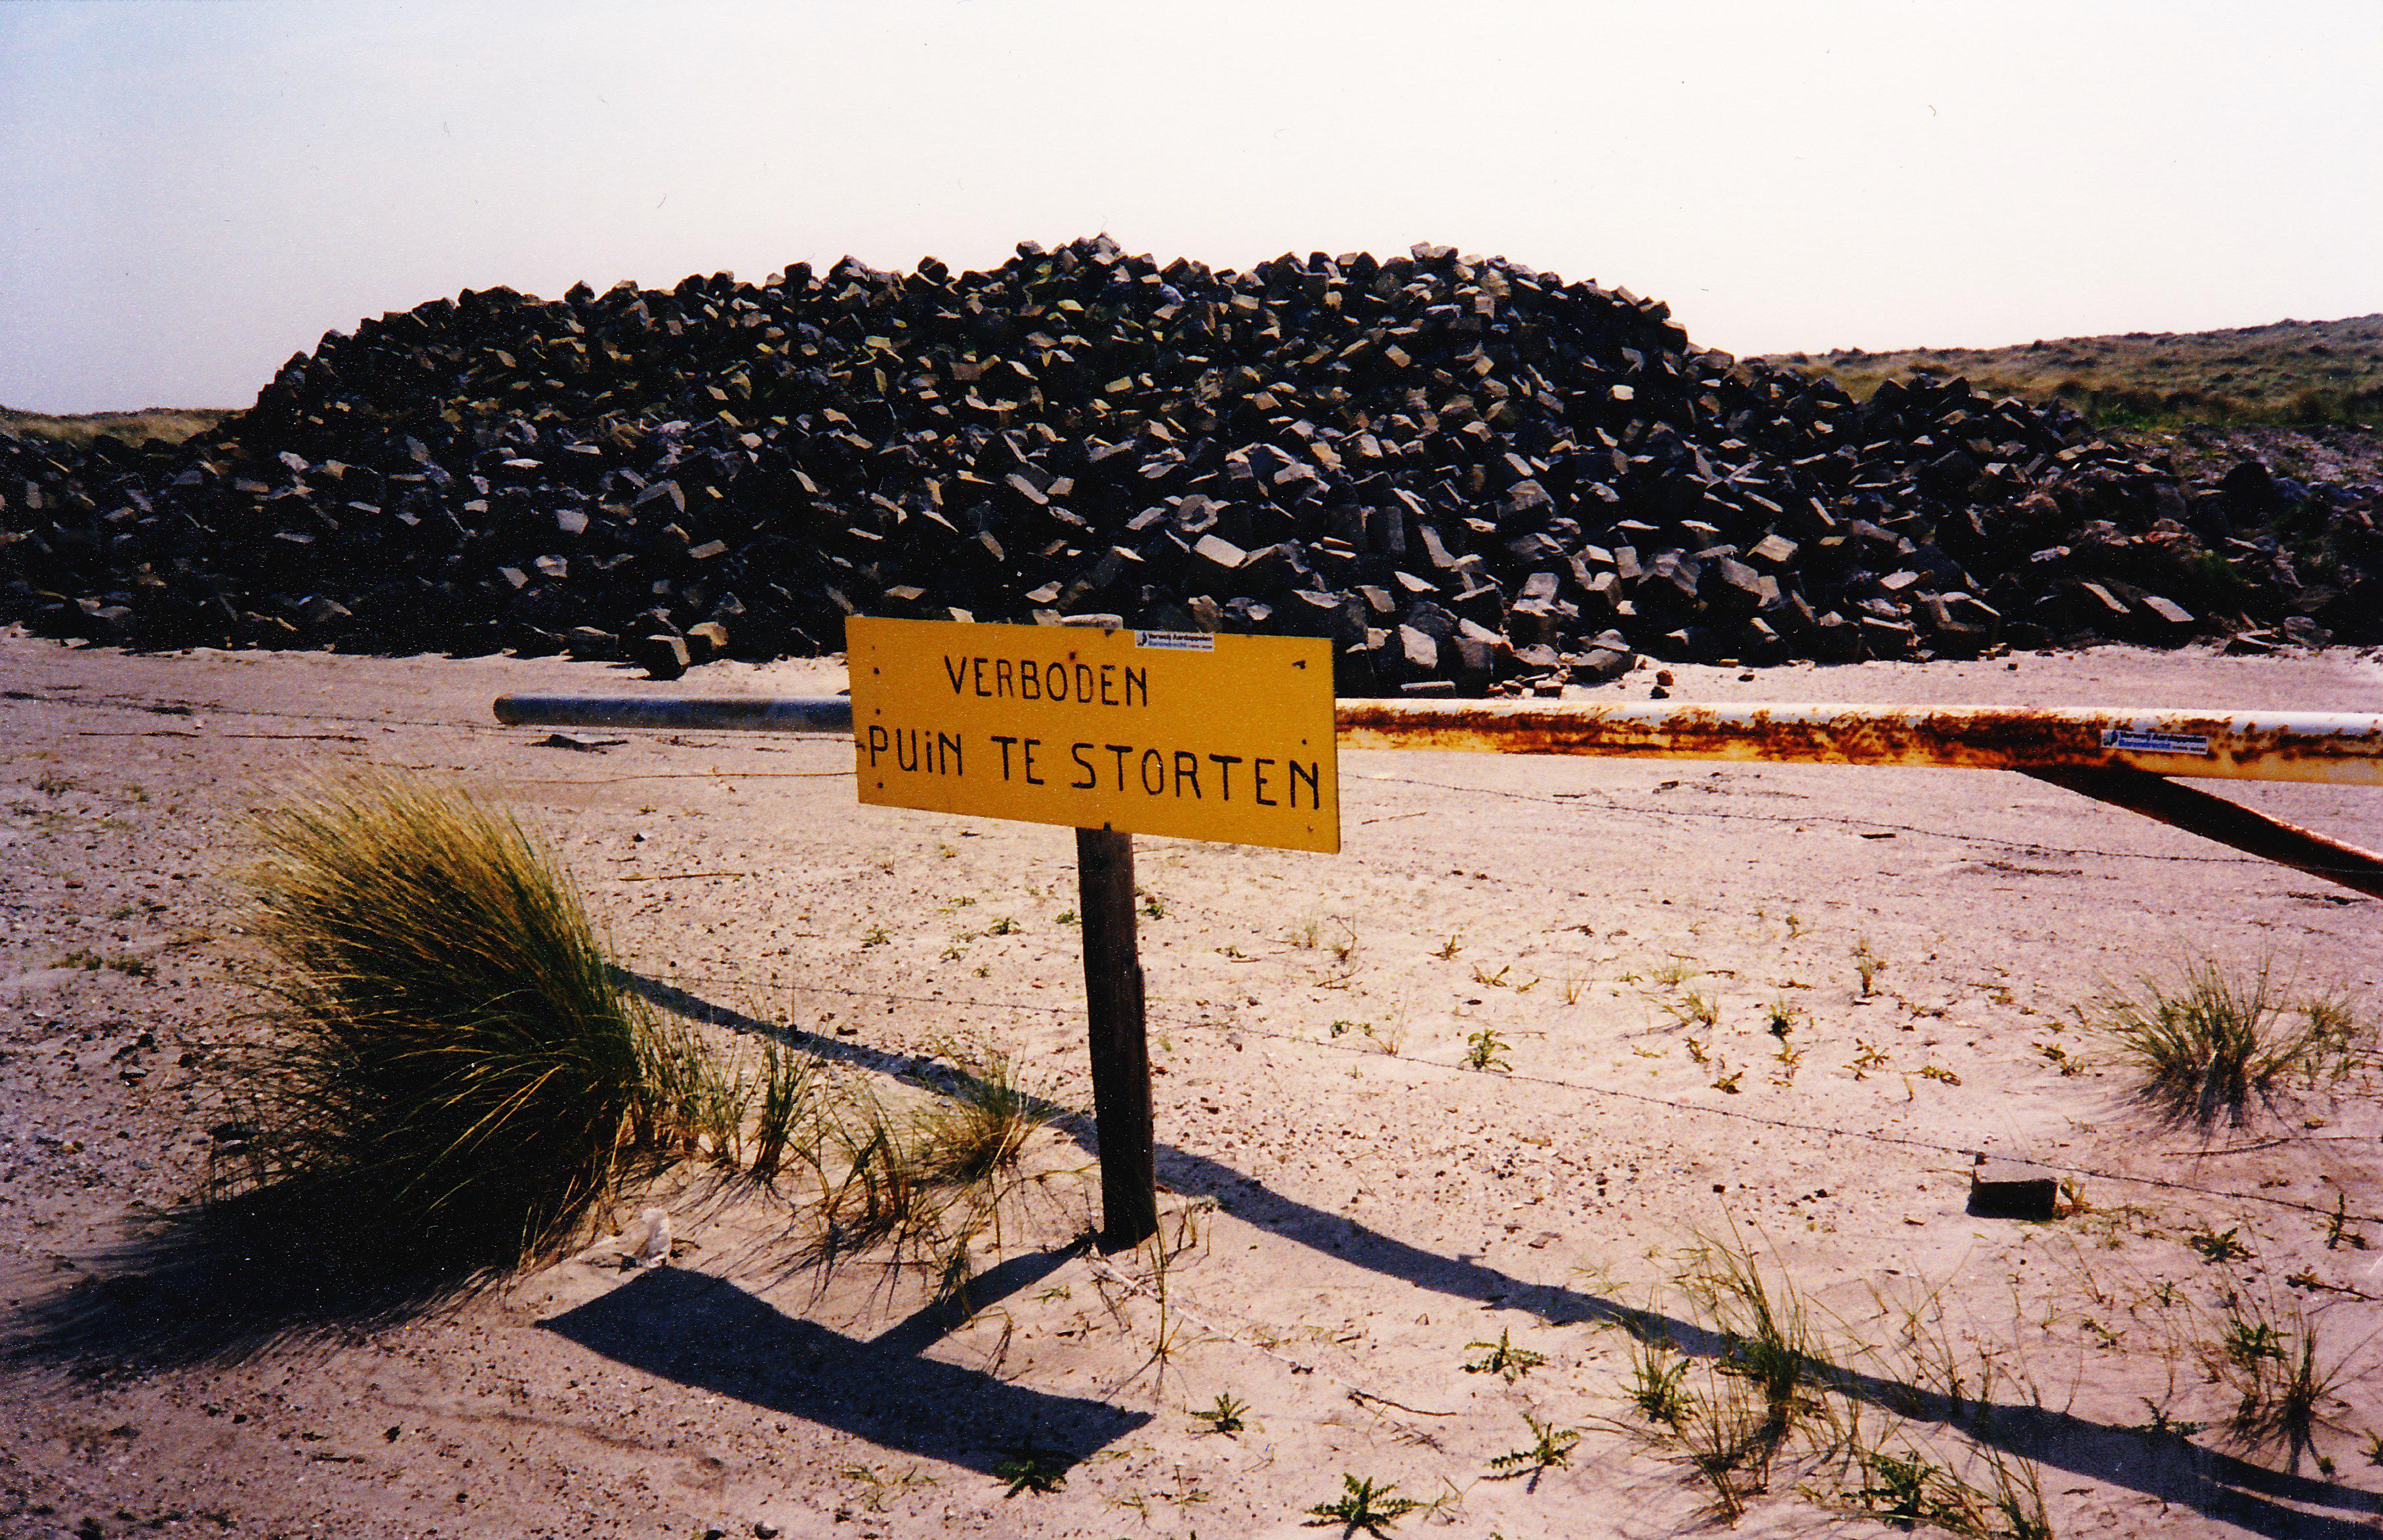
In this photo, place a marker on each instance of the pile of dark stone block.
(1472, 476)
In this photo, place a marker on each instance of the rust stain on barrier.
(2300, 747)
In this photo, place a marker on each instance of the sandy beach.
(1352, 1217)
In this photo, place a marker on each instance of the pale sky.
(190, 192)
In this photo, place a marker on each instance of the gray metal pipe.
(713, 713)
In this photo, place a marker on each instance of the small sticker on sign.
(1175, 641)
(2154, 743)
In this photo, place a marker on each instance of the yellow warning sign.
(1199, 736)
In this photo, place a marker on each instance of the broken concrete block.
(2012, 1189)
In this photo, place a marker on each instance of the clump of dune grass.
(2209, 1042)
(977, 1131)
(457, 1067)
(693, 1100)
(1771, 1343)
(2283, 1377)
(1766, 1399)
(873, 1187)
(922, 1177)
(788, 1092)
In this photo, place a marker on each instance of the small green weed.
(2217, 1246)
(877, 1486)
(1657, 1372)
(1504, 1358)
(2246, 1344)
(1227, 1416)
(2279, 1377)
(1906, 1490)
(2337, 1231)
(1028, 1469)
(1551, 1448)
(1676, 970)
(1004, 926)
(1694, 1008)
(1486, 1049)
(2159, 1425)
(876, 935)
(1363, 1506)
(1869, 965)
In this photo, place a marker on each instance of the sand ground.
(1350, 1212)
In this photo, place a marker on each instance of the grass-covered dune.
(2290, 373)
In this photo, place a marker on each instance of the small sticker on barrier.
(2154, 743)
(1175, 641)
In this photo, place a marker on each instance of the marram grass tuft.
(458, 1071)
(2207, 1044)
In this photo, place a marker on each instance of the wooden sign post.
(1121, 1047)
(1111, 733)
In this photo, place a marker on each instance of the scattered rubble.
(1471, 476)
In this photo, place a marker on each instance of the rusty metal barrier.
(2123, 757)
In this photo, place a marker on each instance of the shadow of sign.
(710, 1335)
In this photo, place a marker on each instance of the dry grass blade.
(458, 1067)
